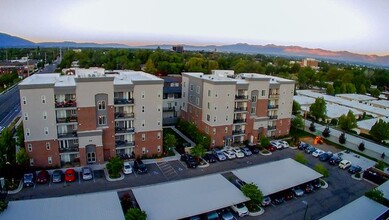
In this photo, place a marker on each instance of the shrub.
(300, 158)
(320, 168)
(252, 191)
(135, 214)
(334, 121)
(358, 175)
(3, 205)
(114, 167)
(361, 146)
(377, 195)
(380, 165)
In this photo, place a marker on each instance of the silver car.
(86, 173)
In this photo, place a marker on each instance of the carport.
(97, 206)
(185, 198)
(277, 176)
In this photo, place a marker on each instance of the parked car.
(335, 160)
(303, 145)
(210, 158)
(140, 167)
(212, 216)
(219, 154)
(317, 153)
(355, 169)
(238, 152)
(239, 183)
(246, 151)
(298, 191)
(277, 145)
(28, 179)
(127, 168)
(326, 156)
(43, 177)
(57, 176)
(310, 150)
(277, 198)
(316, 183)
(266, 201)
(284, 144)
(308, 188)
(271, 148)
(229, 154)
(195, 218)
(225, 214)
(344, 164)
(288, 194)
(240, 209)
(189, 160)
(254, 149)
(70, 175)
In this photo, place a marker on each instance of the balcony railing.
(66, 104)
(240, 97)
(271, 127)
(120, 143)
(69, 149)
(240, 109)
(118, 101)
(239, 120)
(273, 116)
(236, 132)
(124, 130)
(274, 95)
(272, 106)
(169, 109)
(124, 115)
(67, 135)
(67, 119)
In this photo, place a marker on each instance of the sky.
(358, 26)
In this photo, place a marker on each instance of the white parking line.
(93, 177)
(184, 165)
(79, 178)
(161, 170)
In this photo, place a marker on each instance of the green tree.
(196, 64)
(318, 109)
(255, 195)
(169, 141)
(298, 122)
(380, 130)
(330, 90)
(7, 147)
(3, 205)
(296, 107)
(22, 157)
(212, 65)
(20, 135)
(114, 167)
(198, 151)
(150, 67)
(380, 165)
(377, 195)
(320, 168)
(264, 141)
(362, 89)
(375, 92)
(348, 122)
(135, 214)
(300, 158)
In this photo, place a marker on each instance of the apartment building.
(234, 108)
(91, 116)
(171, 99)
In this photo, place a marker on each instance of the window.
(209, 105)
(91, 157)
(198, 89)
(226, 129)
(209, 92)
(183, 94)
(143, 123)
(226, 117)
(214, 130)
(143, 108)
(49, 160)
(214, 118)
(101, 105)
(143, 94)
(44, 115)
(207, 129)
(73, 112)
(183, 104)
(31, 161)
(215, 94)
(191, 87)
(24, 100)
(263, 92)
(159, 148)
(253, 110)
(28, 132)
(46, 130)
(25, 116)
(143, 150)
(43, 99)
(213, 142)
(102, 120)
(159, 135)
(47, 145)
(197, 101)
(254, 98)
(159, 123)
(208, 117)
(143, 137)
(184, 84)
(159, 94)
(29, 147)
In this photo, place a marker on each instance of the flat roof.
(361, 208)
(97, 206)
(383, 103)
(367, 124)
(185, 198)
(356, 97)
(277, 176)
(303, 100)
(385, 189)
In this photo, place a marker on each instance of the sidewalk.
(371, 149)
(192, 144)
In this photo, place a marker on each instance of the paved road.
(9, 106)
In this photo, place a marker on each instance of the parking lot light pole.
(306, 208)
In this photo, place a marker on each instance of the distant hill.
(8, 41)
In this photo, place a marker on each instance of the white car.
(229, 154)
(240, 209)
(284, 143)
(127, 168)
(277, 144)
(317, 153)
(344, 164)
(238, 152)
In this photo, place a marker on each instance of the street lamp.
(306, 208)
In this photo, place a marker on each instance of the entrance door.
(91, 157)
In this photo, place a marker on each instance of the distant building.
(23, 66)
(178, 48)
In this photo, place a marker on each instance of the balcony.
(66, 104)
(241, 97)
(121, 130)
(240, 109)
(121, 143)
(122, 115)
(274, 95)
(169, 109)
(273, 117)
(239, 120)
(69, 149)
(238, 132)
(67, 134)
(272, 106)
(271, 127)
(118, 101)
(70, 119)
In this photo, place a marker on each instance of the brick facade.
(150, 143)
(41, 154)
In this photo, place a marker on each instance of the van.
(139, 166)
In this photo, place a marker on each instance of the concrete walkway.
(192, 144)
(352, 142)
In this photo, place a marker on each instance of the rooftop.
(383, 103)
(385, 189)
(356, 97)
(188, 197)
(367, 124)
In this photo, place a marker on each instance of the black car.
(316, 183)
(288, 194)
(308, 188)
(303, 146)
(325, 156)
(189, 160)
(139, 166)
(354, 169)
(335, 159)
(253, 149)
(277, 198)
(310, 150)
(210, 158)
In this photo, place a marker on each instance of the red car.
(70, 175)
(271, 148)
(43, 177)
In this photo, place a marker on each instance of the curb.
(110, 179)
(265, 154)
(260, 212)
(20, 187)
(356, 178)
(205, 165)
(325, 184)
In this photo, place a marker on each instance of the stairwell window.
(24, 98)
(29, 147)
(50, 160)
(46, 130)
(44, 115)
(25, 116)
(28, 132)
(102, 120)
(101, 105)
(48, 146)
(43, 99)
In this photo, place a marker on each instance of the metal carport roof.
(277, 176)
(96, 206)
(185, 198)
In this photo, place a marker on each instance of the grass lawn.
(181, 143)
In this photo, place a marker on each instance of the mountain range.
(8, 41)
